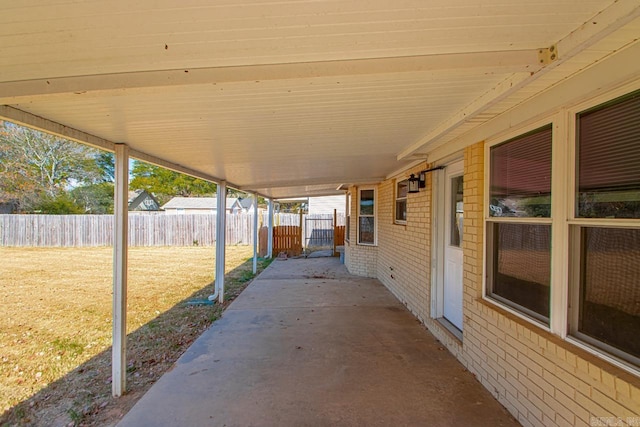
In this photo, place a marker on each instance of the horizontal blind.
(609, 146)
(521, 167)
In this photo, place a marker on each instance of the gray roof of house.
(196, 203)
(246, 202)
(139, 196)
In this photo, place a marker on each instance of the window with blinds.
(608, 160)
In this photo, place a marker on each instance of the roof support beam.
(599, 78)
(138, 155)
(619, 14)
(30, 120)
(484, 102)
(604, 23)
(321, 182)
(488, 62)
(24, 118)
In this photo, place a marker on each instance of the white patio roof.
(293, 98)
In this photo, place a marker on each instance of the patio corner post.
(255, 233)
(120, 251)
(221, 225)
(270, 231)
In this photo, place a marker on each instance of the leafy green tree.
(165, 184)
(105, 162)
(97, 198)
(94, 198)
(58, 205)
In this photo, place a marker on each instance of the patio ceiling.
(292, 98)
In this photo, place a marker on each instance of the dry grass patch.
(55, 329)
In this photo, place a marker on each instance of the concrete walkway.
(307, 344)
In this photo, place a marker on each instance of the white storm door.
(453, 254)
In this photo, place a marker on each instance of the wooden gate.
(338, 238)
(288, 239)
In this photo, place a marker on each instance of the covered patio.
(309, 344)
(313, 98)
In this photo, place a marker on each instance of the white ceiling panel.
(45, 39)
(291, 98)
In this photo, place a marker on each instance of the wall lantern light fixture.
(414, 184)
(420, 181)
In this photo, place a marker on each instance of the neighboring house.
(537, 294)
(199, 205)
(142, 201)
(326, 205)
(292, 205)
(246, 203)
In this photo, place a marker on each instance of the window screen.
(609, 288)
(521, 266)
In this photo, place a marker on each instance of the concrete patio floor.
(307, 344)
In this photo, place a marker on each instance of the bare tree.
(36, 165)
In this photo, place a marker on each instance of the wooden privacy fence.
(144, 230)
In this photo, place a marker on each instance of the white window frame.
(374, 216)
(396, 199)
(564, 224)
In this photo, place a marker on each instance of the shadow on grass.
(83, 396)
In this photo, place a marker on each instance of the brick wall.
(405, 250)
(361, 260)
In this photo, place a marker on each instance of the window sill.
(517, 310)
